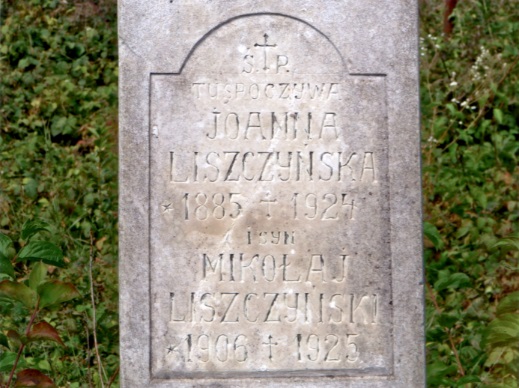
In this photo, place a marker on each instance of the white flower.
(453, 83)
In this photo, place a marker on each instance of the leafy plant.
(502, 340)
(31, 292)
(470, 148)
(58, 162)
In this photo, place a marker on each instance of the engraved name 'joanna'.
(261, 125)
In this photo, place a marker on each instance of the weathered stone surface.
(270, 194)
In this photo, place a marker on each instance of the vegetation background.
(58, 168)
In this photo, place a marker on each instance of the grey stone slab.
(270, 211)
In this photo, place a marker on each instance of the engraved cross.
(270, 344)
(268, 202)
(265, 46)
(351, 205)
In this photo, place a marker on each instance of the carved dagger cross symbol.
(265, 45)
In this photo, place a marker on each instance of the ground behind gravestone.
(58, 162)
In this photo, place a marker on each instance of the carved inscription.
(274, 125)
(271, 166)
(227, 92)
(256, 267)
(287, 308)
(202, 206)
(222, 349)
(269, 236)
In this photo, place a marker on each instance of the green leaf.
(38, 274)
(479, 196)
(30, 228)
(432, 234)
(453, 281)
(44, 251)
(7, 361)
(498, 115)
(468, 379)
(55, 292)
(44, 365)
(24, 62)
(459, 280)
(437, 372)
(495, 356)
(16, 339)
(32, 378)
(43, 331)
(509, 304)
(448, 320)
(18, 292)
(6, 266)
(463, 231)
(503, 330)
(509, 355)
(30, 187)
(5, 242)
(452, 109)
(508, 244)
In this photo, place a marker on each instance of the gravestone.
(270, 211)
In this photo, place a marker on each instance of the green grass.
(58, 162)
